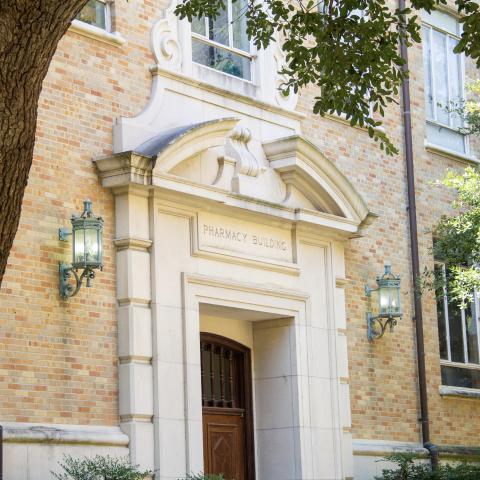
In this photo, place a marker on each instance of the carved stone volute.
(237, 148)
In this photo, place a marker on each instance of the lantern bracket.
(376, 326)
(68, 290)
(63, 234)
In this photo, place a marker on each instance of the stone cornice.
(141, 244)
(124, 168)
(304, 167)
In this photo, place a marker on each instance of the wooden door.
(227, 408)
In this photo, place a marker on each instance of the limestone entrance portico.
(210, 220)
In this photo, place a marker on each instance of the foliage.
(457, 238)
(349, 48)
(99, 468)
(469, 109)
(408, 469)
(204, 476)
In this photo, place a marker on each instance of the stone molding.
(124, 168)
(451, 154)
(304, 167)
(448, 391)
(14, 432)
(380, 448)
(252, 101)
(112, 38)
(141, 244)
(341, 282)
(307, 174)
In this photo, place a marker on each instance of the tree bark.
(29, 34)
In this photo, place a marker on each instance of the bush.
(99, 468)
(204, 476)
(407, 469)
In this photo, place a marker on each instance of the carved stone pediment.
(215, 158)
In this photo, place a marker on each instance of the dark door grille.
(221, 368)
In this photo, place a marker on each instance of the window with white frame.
(96, 13)
(458, 337)
(222, 43)
(444, 81)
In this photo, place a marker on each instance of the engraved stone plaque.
(220, 234)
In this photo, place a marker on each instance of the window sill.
(445, 152)
(225, 93)
(447, 391)
(90, 31)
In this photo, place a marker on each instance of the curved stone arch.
(175, 145)
(305, 168)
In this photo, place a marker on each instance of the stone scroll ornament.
(237, 148)
(164, 40)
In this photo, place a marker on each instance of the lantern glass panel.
(78, 246)
(389, 299)
(92, 247)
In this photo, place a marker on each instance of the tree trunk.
(29, 33)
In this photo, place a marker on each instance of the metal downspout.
(1, 452)
(412, 215)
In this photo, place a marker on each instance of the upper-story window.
(458, 331)
(444, 81)
(96, 13)
(222, 43)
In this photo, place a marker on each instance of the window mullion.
(108, 16)
(449, 97)
(464, 336)
(432, 75)
(476, 320)
(230, 23)
(447, 318)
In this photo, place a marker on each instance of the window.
(443, 72)
(459, 338)
(223, 44)
(96, 13)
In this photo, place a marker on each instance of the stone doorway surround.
(210, 214)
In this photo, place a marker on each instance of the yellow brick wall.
(58, 361)
(383, 374)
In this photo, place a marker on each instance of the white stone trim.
(140, 244)
(380, 448)
(253, 101)
(448, 391)
(445, 152)
(91, 31)
(304, 166)
(17, 432)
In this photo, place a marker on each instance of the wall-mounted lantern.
(389, 307)
(87, 238)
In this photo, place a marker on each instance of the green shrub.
(408, 469)
(99, 468)
(203, 476)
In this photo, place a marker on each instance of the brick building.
(229, 321)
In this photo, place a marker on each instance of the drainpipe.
(412, 215)
(1, 452)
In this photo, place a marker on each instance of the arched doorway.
(227, 408)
